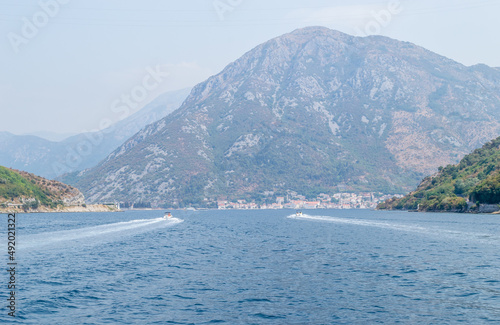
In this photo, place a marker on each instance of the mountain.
(24, 192)
(51, 136)
(313, 110)
(51, 159)
(475, 178)
(30, 191)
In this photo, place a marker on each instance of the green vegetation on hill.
(13, 186)
(18, 187)
(476, 178)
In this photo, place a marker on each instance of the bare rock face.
(25, 192)
(313, 109)
(56, 190)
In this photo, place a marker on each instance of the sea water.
(255, 267)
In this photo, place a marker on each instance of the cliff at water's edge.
(24, 192)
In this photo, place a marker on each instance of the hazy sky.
(68, 65)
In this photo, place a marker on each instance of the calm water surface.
(256, 267)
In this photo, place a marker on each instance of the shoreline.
(69, 209)
(442, 211)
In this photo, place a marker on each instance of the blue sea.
(255, 267)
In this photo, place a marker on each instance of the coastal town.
(322, 201)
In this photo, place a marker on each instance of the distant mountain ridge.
(51, 136)
(51, 159)
(308, 111)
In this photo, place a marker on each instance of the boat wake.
(97, 234)
(482, 237)
(368, 223)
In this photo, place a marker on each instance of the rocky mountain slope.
(31, 191)
(51, 159)
(308, 111)
(476, 180)
(24, 192)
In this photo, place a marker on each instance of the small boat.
(167, 215)
(298, 213)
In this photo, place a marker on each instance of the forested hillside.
(476, 179)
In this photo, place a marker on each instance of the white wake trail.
(359, 222)
(94, 234)
(456, 234)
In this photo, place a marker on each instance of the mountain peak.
(313, 31)
(307, 111)
(301, 36)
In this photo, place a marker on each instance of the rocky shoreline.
(43, 209)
